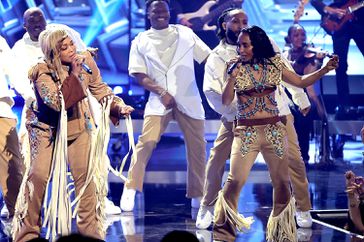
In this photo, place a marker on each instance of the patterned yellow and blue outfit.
(258, 129)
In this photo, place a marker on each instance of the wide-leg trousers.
(194, 136)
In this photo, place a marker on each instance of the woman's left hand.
(332, 64)
(126, 110)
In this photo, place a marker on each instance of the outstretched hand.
(332, 64)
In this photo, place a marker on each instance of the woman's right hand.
(232, 70)
(76, 64)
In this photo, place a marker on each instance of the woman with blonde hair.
(63, 133)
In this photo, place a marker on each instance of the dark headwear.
(262, 47)
(149, 2)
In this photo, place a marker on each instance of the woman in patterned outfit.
(60, 86)
(258, 129)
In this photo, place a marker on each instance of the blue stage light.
(101, 18)
(130, 92)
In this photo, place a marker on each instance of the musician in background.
(341, 39)
(304, 62)
(194, 13)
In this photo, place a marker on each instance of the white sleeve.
(137, 62)
(213, 83)
(16, 75)
(200, 51)
(299, 96)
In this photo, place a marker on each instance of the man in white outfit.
(27, 51)
(162, 61)
(11, 162)
(230, 24)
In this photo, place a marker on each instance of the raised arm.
(307, 80)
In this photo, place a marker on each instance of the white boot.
(110, 208)
(204, 217)
(304, 219)
(127, 199)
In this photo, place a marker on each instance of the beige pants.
(221, 152)
(78, 152)
(297, 170)
(153, 128)
(11, 163)
(271, 141)
(215, 166)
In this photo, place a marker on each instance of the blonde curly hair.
(50, 43)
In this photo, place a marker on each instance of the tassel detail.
(231, 216)
(282, 227)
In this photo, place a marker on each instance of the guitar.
(298, 13)
(202, 17)
(332, 24)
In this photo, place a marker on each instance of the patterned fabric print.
(34, 141)
(260, 105)
(274, 75)
(242, 82)
(49, 98)
(275, 71)
(275, 134)
(35, 130)
(248, 136)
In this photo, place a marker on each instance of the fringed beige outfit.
(62, 133)
(266, 134)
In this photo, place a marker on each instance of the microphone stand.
(324, 158)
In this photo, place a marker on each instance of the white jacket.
(178, 79)
(6, 73)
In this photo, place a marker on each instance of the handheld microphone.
(232, 67)
(86, 68)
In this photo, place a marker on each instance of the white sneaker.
(195, 202)
(127, 199)
(304, 234)
(203, 235)
(128, 225)
(110, 208)
(204, 217)
(4, 212)
(304, 219)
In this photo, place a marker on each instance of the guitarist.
(352, 29)
(341, 39)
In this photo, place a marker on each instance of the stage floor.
(163, 207)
